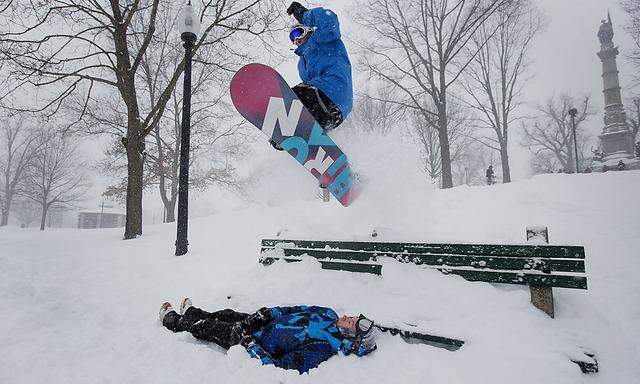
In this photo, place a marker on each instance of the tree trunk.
(133, 141)
(445, 153)
(169, 204)
(571, 161)
(43, 218)
(6, 208)
(504, 158)
(171, 209)
(171, 215)
(133, 226)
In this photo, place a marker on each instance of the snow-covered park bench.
(542, 267)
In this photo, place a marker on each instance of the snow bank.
(80, 306)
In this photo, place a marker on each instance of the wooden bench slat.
(480, 262)
(326, 254)
(550, 280)
(543, 280)
(495, 262)
(375, 269)
(545, 251)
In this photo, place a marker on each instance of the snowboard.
(264, 98)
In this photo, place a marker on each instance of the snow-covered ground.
(80, 306)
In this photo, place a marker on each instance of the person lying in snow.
(299, 337)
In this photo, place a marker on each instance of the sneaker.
(184, 305)
(275, 145)
(164, 309)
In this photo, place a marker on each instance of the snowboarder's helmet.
(363, 336)
(299, 31)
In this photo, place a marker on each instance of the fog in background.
(564, 60)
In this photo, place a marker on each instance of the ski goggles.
(363, 325)
(299, 32)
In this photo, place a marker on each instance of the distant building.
(89, 220)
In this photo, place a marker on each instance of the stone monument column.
(616, 138)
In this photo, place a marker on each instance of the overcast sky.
(564, 57)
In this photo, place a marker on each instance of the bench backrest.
(537, 265)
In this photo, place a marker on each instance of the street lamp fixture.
(573, 112)
(188, 22)
(189, 27)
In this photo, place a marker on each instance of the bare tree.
(552, 134)
(427, 136)
(55, 177)
(470, 167)
(215, 139)
(374, 112)
(425, 133)
(91, 48)
(418, 46)
(215, 142)
(544, 162)
(632, 8)
(26, 211)
(497, 74)
(5, 5)
(19, 145)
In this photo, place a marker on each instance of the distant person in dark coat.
(489, 175)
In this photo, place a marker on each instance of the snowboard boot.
(165, 309)
(185, 305)
(275, 146)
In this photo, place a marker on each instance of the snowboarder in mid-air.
(326, 90)
(299, 337)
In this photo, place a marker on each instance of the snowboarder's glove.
(255, 321)
(297, 10)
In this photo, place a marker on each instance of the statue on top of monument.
(605, 33)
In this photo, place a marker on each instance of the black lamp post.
(189, 26)
(573, 112)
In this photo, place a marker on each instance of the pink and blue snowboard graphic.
(264, 98)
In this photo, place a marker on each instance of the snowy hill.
(80, 306)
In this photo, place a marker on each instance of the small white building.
(89, 220)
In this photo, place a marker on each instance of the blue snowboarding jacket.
(301, 338)
(324, 62)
